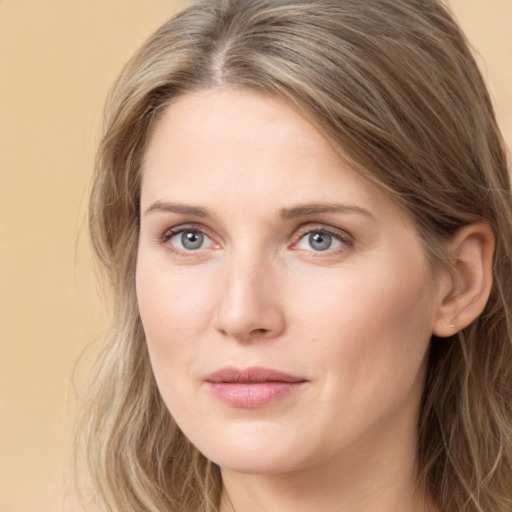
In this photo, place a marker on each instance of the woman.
(304, 211)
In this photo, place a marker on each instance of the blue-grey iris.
(320, 241)
(192, 240)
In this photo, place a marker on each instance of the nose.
(248, 307)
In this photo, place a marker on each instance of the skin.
(354, 320)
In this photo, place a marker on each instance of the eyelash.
(343, 237)
(170, 233)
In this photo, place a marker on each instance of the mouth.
(252, 387)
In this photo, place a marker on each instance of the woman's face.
(287, 302)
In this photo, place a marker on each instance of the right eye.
(187, 239)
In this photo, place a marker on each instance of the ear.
(469, 279)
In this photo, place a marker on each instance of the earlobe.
(469, 279)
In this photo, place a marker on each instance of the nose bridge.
(247, 306)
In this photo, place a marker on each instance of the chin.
(254, 452)
(256, 462)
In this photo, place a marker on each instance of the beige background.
(57, 61)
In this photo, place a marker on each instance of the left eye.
(318, 241)
(190, 240)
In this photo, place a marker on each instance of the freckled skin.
(354, 320)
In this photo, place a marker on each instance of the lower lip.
(252, 396)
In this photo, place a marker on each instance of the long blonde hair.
(393, 85)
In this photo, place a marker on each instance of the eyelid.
(346, 238)
(169, 233)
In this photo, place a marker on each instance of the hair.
(392, 84)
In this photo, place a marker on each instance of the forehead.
(230, 124)
(225, 147)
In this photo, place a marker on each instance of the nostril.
(243, 314)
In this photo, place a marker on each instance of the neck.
(311, 491)
(362, 480)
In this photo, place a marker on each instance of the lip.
(251, 388)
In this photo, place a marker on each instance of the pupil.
(320, 241)
(192, 240)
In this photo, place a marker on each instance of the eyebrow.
(161, 206)
(317, 208)
(304, 210)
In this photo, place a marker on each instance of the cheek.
(383, 302)
(169, 296)
(370, 329)
(174, 311)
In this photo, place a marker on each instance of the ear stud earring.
(452, 325)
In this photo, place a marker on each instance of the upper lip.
(251, 376)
